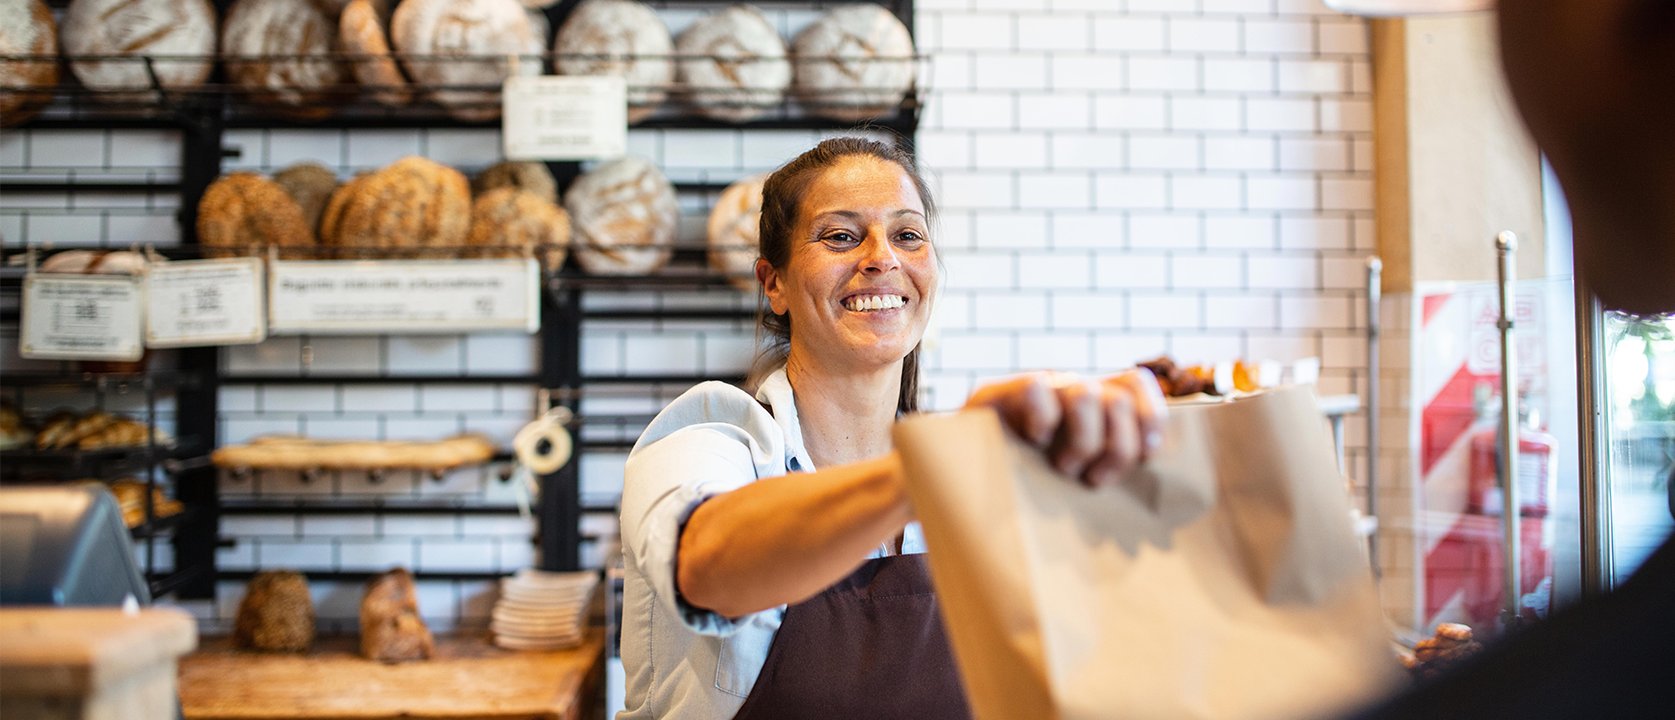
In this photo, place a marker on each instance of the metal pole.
(1506, 247)
(1375, 295)
(1595, 495)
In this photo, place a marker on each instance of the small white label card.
(565, 117)
(205, 302)
(82, 317)
(408, 296)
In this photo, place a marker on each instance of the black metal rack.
(203, 115)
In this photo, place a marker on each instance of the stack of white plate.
(542, 610)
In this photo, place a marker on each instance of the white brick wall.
(1123, 179)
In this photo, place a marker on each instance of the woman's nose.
(878, 255)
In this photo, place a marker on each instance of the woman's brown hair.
(782, 197)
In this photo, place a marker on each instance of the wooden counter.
(468, 679)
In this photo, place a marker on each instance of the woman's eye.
(910, 237)
(840, 237)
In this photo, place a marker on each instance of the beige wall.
(1454, 168)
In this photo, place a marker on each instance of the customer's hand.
(1094, 430)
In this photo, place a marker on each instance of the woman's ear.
(768, 276)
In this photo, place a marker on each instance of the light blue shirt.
(682, 662)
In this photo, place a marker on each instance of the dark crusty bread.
(311, 186)
(391, 629)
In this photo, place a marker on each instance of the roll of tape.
(543, 446)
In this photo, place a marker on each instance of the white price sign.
(82, 317)
(409, 296)
(205, 302)
(564, 117)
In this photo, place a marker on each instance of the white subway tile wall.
(1121, 179)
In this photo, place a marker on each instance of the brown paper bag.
(1222, 580)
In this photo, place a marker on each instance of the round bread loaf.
(624, 213)
(514, 221)
(364, 31)
(276, 614)
(733, 65)
(412, 203)
(854, 63)
(137, 28)
(454, 28)
(540, 32)
(311, 186)
(622, 38)
(26, 28)
(531, 176)
(244, 211)
(734, 229)
(256, 35)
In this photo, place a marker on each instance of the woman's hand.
(1094, 430)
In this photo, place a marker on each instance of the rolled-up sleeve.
(664, 482)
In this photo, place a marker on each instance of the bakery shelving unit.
(192, 530)
(203, 114)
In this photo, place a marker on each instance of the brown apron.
(871, 646)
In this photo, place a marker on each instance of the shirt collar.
(775, 392)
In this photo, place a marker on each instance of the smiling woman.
(773, 568)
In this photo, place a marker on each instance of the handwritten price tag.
(562, 117)
(410, 296)
(81, 317)
(205, 302)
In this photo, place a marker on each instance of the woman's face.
(862, 272)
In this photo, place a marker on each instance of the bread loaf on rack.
(276, 614)
(311, 186)
(26, 28)
(281, 53)
(531, 176)
(733, 65)
(412, 203)
(734, 228)
(433, 35)
(854, 63)
(241, 212)
(391, 629)
(136, 29)
(364, 31)
(624, 212)
(298, 453)
(623, 38)
(509, 222)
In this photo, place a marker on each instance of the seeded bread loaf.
(734, 227)
(134, 29)
(622, 38)
(453, 28)
(364, 30)
(244, 211)
(733, 65)
(412, 203)
(854, 63)
(280, 53)
(26, 28)
(311, 186)
(624, 213)
(276, 614)
(510, 222)
(531, 176)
